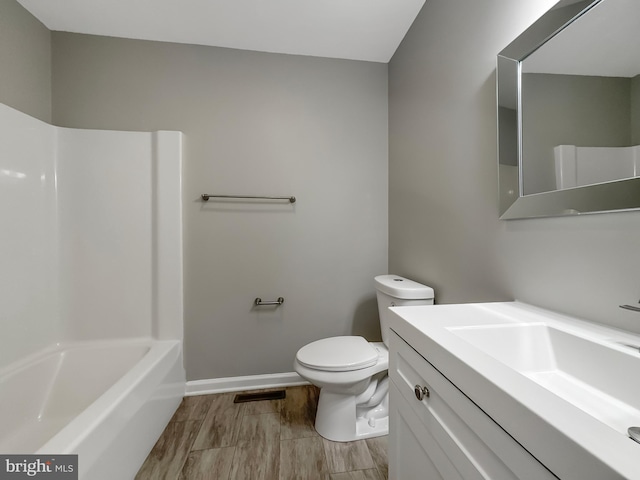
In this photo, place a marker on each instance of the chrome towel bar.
(259, 302)
(633, 308)
(206, 196)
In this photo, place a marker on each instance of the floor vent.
(257, 397)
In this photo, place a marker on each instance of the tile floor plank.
(371, 474)
(303, 458)
(257, 454)
(170, 452)
(347, 456)
(212, 464)
(378, 448)
(192, 408)
(299, 413)
(263, 406)
(221, 425)
(259, 429)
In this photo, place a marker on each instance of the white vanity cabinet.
(444, 435)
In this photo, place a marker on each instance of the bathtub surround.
(28, 294)
(91, 291)
(254, 124)
(443, 194)
(84, 262)
(120, 234)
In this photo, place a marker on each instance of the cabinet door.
(452, 430)
(416, 453)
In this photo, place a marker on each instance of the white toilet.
(352, 372)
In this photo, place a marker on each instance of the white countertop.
(569, 441)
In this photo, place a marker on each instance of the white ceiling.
(368, 30)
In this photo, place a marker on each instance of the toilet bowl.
(352, 372)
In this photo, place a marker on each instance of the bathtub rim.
(68, 439)
(71, 436)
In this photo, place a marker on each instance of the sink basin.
(593, 374)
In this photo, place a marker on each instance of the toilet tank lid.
(399, 287)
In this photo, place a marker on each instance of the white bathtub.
(108, 402)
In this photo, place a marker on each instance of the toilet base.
(336, 418)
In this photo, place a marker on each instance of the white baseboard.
(239, 384)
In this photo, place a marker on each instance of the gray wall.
(25, 57)
(581, 110)
(443, 187)
(255, 124)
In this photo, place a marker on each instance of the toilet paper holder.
(259, 302)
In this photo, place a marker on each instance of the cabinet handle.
(421, 392)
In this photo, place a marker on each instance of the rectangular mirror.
(569, 112)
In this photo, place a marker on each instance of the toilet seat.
(338, 354)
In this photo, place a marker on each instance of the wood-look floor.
(210, 437)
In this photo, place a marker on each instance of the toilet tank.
(396, 291)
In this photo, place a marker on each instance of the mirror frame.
(620, 195)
